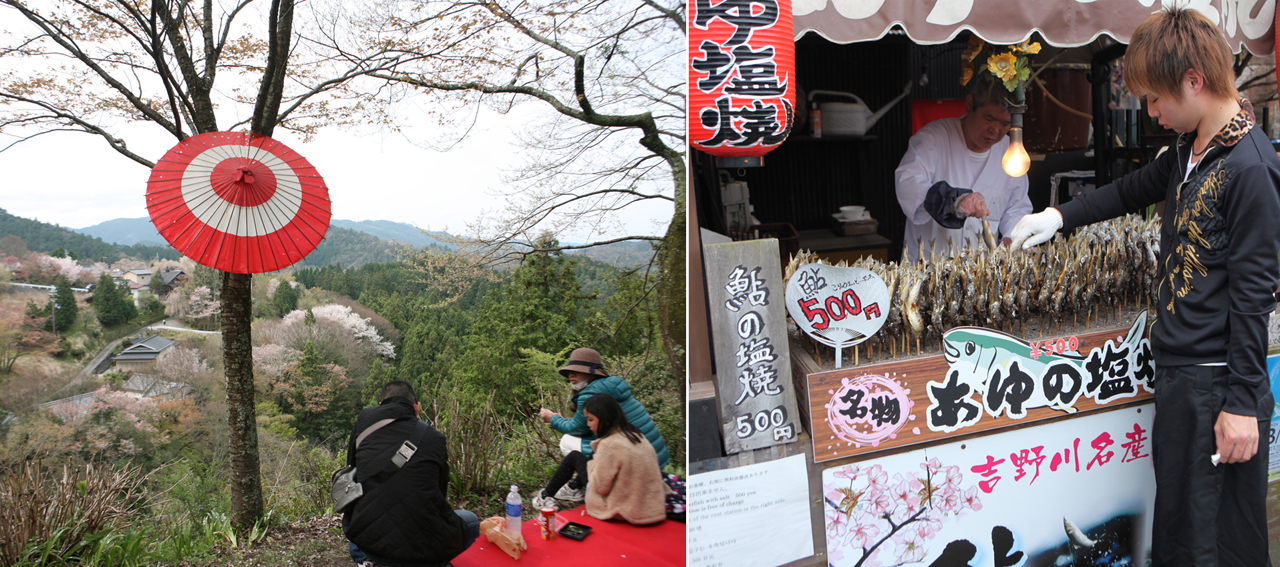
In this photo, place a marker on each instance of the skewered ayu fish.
(1086, 276)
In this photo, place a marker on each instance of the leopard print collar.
(1233, 132)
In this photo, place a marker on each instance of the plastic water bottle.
(515, 508)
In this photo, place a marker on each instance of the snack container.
(547, 523)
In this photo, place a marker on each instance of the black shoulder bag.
(345, 490)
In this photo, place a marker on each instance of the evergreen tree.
(37, 311)
(114, 303)
(379, 375)
(204, 276)
(285, 299)
(320, 396)
(127, 306)
(67, 308)
(538, 310)
(158, 287)
(432, 345)
(106, 301)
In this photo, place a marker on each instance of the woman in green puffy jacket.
(585, 371)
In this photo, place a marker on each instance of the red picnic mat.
(609, 543)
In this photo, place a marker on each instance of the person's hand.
(1006, 241)
(546, 415)
(972, 205)
(1036, 229)
(1237, 437)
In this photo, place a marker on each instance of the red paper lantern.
(742, 61)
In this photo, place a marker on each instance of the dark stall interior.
(807, 179)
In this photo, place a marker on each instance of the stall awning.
(1062, 23)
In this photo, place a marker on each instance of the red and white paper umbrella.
(238, 202)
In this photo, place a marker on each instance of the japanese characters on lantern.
(741, 75)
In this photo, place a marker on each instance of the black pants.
(574, 462)
(1205, 515)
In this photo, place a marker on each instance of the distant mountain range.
(141, 231)
(353, 246)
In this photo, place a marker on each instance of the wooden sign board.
(749, 326)
(984, 380)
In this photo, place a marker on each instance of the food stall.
(958, 428)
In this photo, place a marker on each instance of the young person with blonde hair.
(1220, 185)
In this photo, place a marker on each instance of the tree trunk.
(671, 286)
(237, 358)
(237, 303)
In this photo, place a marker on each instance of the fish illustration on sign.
(1014, 376)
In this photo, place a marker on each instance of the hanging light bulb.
(1016, 162)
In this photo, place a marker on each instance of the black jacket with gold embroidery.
(1219, 237)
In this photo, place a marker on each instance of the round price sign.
(838, 307)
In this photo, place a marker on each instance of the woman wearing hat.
(585, 371)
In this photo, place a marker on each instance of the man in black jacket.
(403, 519)
(1218, 273)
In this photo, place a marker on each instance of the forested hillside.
(347, 247)
(400, 232)
(45, 237)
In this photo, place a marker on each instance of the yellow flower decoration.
(966, 72)
(1003, 66)
(1027, 47)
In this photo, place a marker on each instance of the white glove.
(1035, 229)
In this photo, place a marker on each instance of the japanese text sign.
(1045, 495)
(838, 307)
(757, 401)
(984, 380)
(741, 75)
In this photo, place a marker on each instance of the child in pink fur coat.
(625, 481)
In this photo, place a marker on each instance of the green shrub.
(296, 475)
(194, 489)
(478, 442)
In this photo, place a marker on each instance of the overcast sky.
(76, 180)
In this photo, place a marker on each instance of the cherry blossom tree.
(274, 359)
(359, 327)
(181, 365)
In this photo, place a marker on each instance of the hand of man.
(546, 415)
(972, 205)
(1237, 437)
(1036, 229)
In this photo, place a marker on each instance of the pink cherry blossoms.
(867, 511)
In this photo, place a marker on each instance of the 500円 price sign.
(757, 401)
(838, 307)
